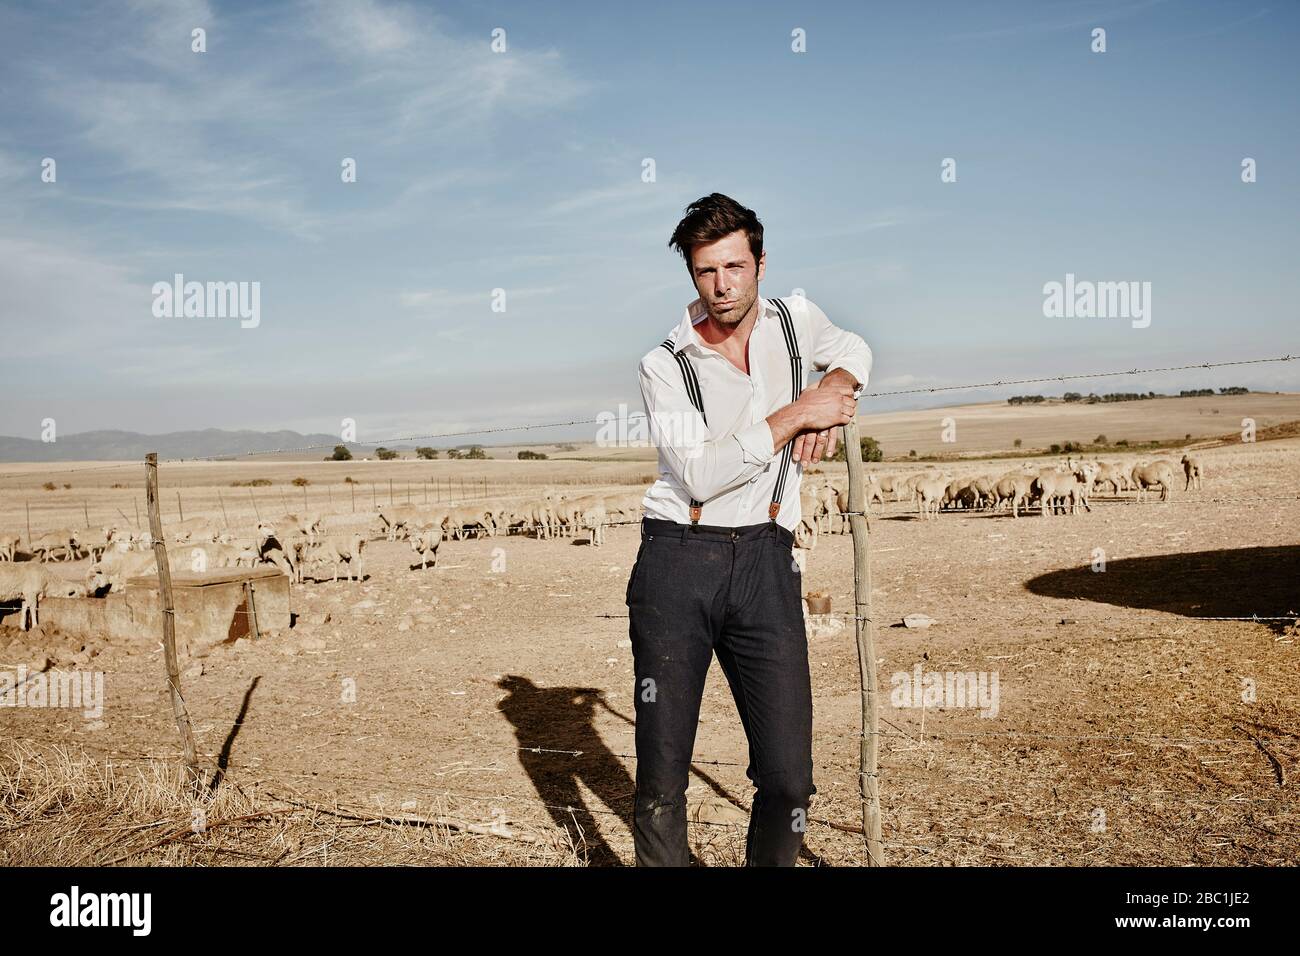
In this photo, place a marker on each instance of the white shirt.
(730, 464)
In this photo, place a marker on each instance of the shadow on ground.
(1235, 583)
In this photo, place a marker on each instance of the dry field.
(495, 690)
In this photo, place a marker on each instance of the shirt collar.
(696, 313)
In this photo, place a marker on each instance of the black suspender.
(692, 382)
(796, 386)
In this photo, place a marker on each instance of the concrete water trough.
(212, 607)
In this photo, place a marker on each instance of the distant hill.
(122, 445)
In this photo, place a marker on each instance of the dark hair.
(711, 218)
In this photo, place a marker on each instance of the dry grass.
(65, 808)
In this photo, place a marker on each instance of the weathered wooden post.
(869, 746)
(225, 519)
(169, 618)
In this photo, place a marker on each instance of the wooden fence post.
(253, 498)
(869, 748)
(224, 517)
(169, 619)
(179, 508)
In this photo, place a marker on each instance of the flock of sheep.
(297, 544)
(1065, 488)
(300, 544)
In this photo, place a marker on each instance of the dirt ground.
(1129, 728)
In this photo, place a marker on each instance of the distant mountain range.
(124, 446)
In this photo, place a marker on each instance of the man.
(734, 427)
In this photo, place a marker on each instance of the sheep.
(1110, 474)
(627, 507)
(1053, 488)
(95, 543)
(983, 488)
(906, 488)
(539, 516)
(115, 568)
(398, 522)
(929, 495)
(425, 544)
(286, 550)
(1015, 487)
(874, 492)
(1158, 474)
(1193, 472)
(309, 523)
(47, 544)
(8, 546)
(593, 519)
(200, 530)
(30, 582)
(828, 506)
(461, 519)
(805, 532)
(339, 549)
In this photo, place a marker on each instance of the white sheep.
(31, 583)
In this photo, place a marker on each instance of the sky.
(523, 170)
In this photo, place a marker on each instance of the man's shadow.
(550, 723)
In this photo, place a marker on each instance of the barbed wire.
(492, 430)
(1075, 377)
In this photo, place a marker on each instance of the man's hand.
(812, 446)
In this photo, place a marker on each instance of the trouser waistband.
(712, 532)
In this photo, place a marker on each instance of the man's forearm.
(786, 422)
(839, 376)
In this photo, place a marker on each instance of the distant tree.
(1099, 440)
(529, 455)
(341, 453)
(1072, 396)
(454, 454)
(300, 482)
(1056, 449)
(870, 450)
(428, 454)
(385, 454)
(912, 453)
(476, 452)
(1017, 443)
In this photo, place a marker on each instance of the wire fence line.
(402, 813)
(502, 429)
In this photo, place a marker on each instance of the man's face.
(726, 277)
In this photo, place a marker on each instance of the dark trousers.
(735, 592)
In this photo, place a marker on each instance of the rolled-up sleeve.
(702, 467)
(834, 347)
